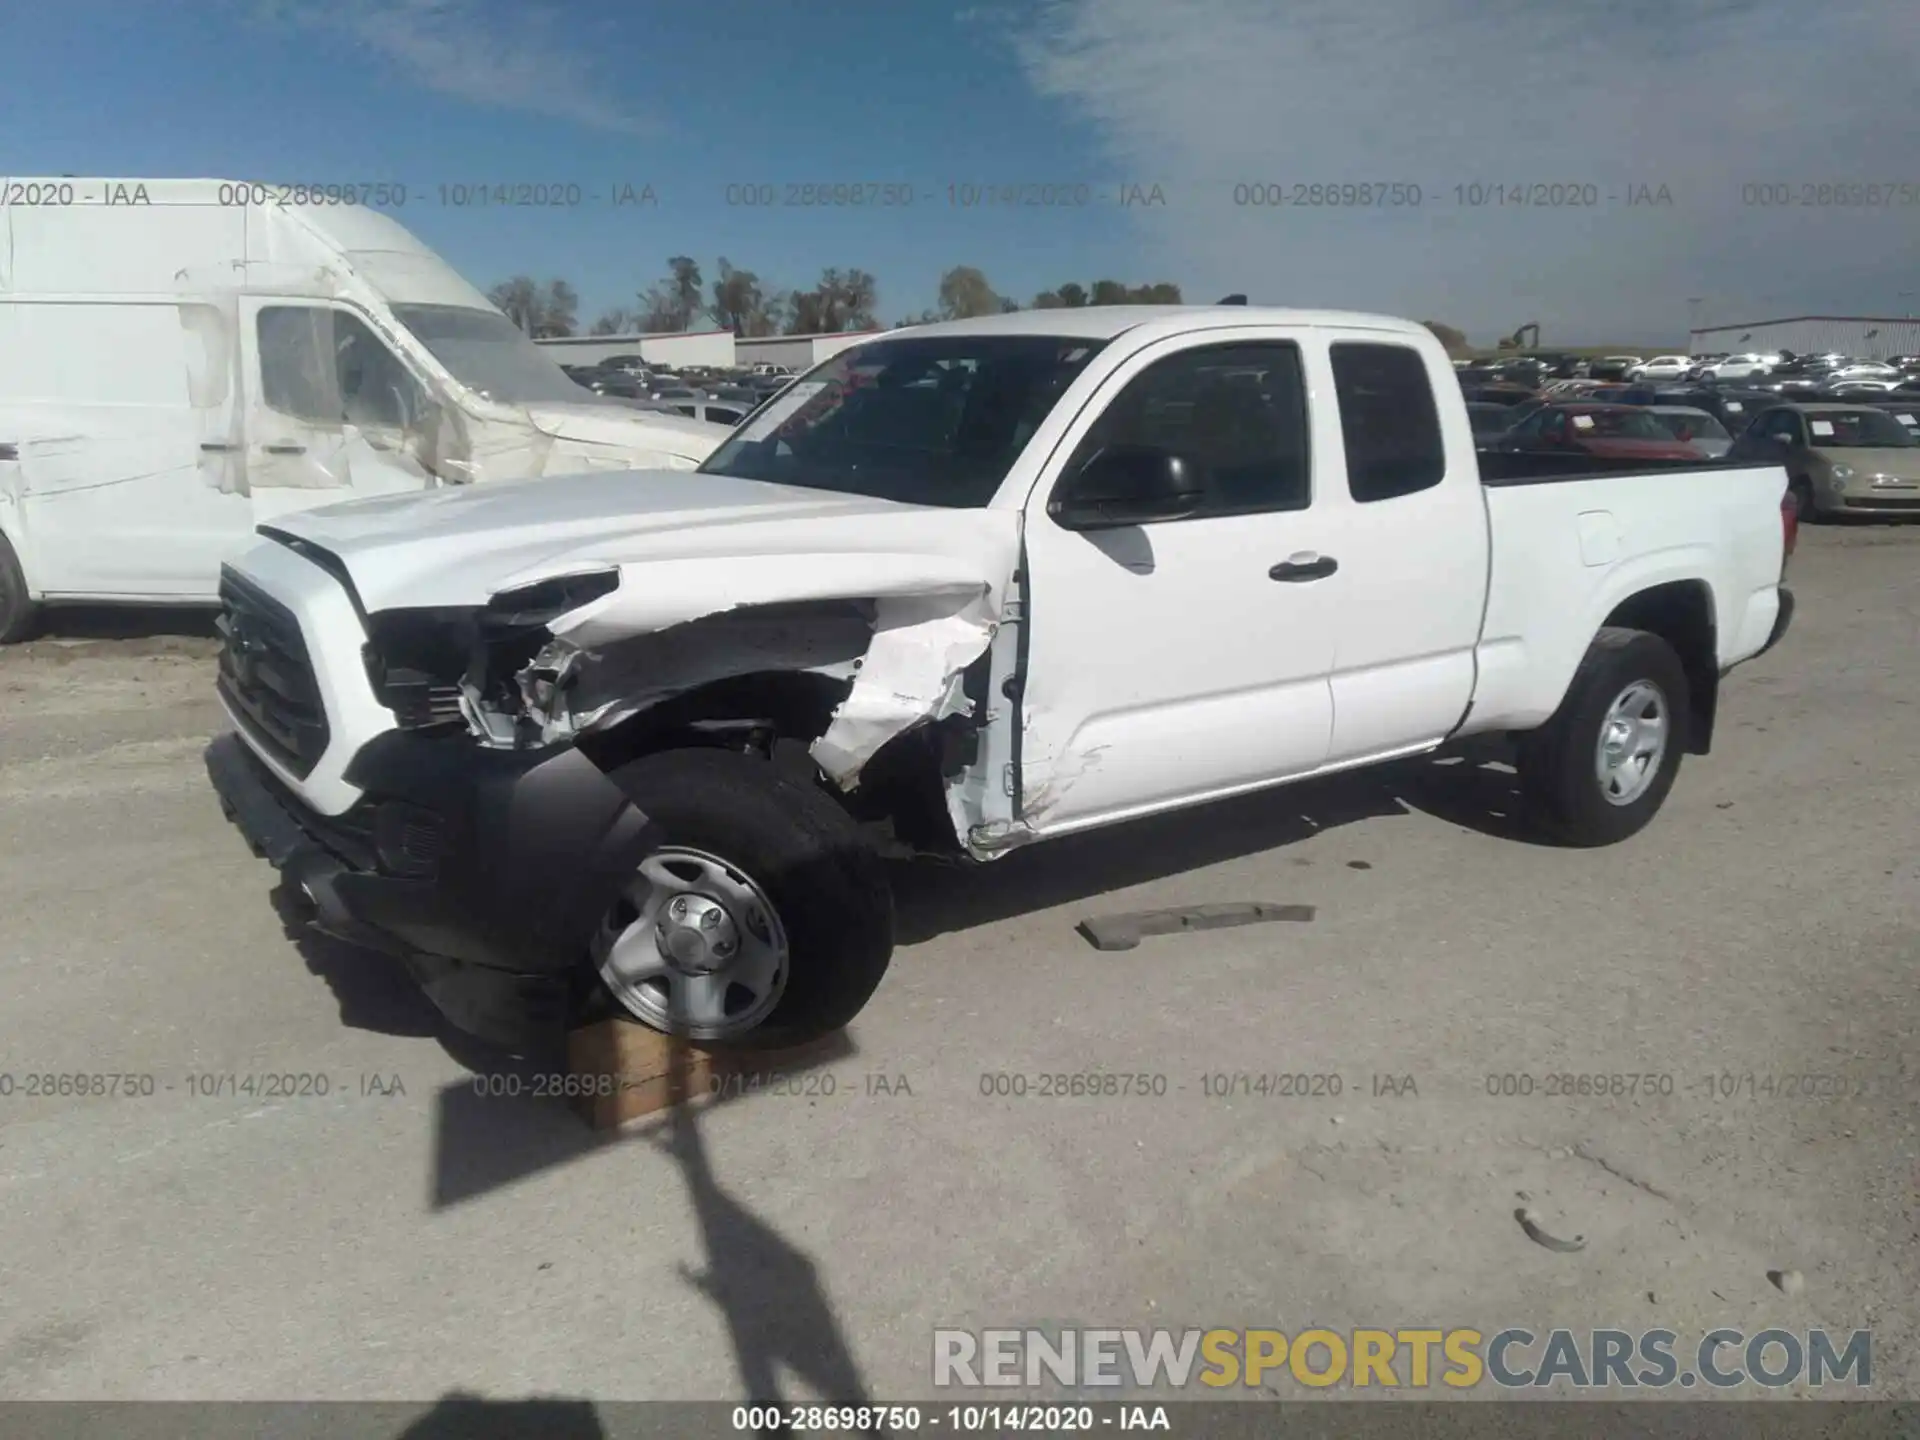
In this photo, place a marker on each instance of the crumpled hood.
(686, 544)
(621, 427)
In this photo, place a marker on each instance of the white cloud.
(1696, 95)
(520, 58)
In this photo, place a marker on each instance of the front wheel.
(1601, 768)
(760, 918)
(19, 616)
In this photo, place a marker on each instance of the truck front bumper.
(484, 872)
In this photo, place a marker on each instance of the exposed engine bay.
(848, 676)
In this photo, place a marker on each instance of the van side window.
(326, 367)
(1388, 420)
(1237, 411)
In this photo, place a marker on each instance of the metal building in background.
(1866, 336)
(798, 352)
(712, 348)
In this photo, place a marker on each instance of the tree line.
(738, 300)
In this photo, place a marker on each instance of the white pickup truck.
(630, 737)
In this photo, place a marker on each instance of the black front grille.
(266, 677)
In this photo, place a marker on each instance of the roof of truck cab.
(1103, 322)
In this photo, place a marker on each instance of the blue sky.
(690, 99)
(1195, 96)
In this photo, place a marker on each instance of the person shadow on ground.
(767, 1290)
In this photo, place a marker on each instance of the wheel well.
(779, 713)
(1681, 613)
(778, 704)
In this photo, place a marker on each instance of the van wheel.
(19, 616)
(1601, 768)
(761, 917)
(1805, 509)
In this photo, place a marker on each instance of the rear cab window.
(1389, 421)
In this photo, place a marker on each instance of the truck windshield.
(1858, 430)
(487, 352)
(931, 421)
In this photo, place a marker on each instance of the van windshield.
(487, 352)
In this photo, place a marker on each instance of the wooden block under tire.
(629, 1070)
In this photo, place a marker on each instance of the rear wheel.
(19, 616)
(760, 918)
(1601, 768)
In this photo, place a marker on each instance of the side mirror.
(1129, 485)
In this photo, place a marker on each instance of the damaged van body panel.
(182, 361)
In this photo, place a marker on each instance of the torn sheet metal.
(913, 673)
(605, 686)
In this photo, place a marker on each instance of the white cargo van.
(181, 360)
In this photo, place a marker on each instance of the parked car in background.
(1606, 432)
(1738, 367)
(1840, 459)
(1611, 367)
(1562, 367)
(1808, 365)
(1696, 427)
(1852, 392)
(1488, 420)
(1906, 411)
(1528, 372)
(1660, 367)
(766, 367)
(1734, 409)
(1496, 394)
(714, 412)
(1875, 370)
(621, 384)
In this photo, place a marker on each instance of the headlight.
(415, 662)
(1843, 473)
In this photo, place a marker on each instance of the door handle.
(285, 447)
(1304, 568)
(9, 452)
(217, 447)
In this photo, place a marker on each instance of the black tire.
(19, 616)
(825, 880)
(1558, 776)
(1804, 505)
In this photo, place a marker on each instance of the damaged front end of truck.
(893, 679)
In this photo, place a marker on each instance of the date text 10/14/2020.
(961, 1419)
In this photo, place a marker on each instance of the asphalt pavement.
(404, 1234)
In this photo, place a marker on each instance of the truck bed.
(1589, 533)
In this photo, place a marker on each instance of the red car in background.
(1606, 432)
